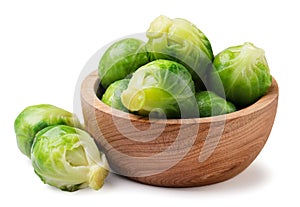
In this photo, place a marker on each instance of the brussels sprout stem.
(134, 103)
(97, 177)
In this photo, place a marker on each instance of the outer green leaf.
(242, 72)
(34, 118)
(112, 95)
(210, 104)
(121, 59)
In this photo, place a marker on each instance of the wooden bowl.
(178, 152)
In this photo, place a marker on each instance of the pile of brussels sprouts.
(175, 74)
(62, 153)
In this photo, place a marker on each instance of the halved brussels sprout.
(121, 59)
(34, 118)
(210, 104)
(181, 41)
(163, 88)
(68, 158)
(243, 73)
(112, 95)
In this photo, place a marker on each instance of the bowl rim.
(90, 84)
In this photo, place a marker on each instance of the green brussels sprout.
(210, 104)
(112, 95)
(242, 72)
(163, 88)
(34, 118)
(181, 41)
(68, 158)
(121, 59)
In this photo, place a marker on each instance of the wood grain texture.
(166, 152)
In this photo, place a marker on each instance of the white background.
(44, 45)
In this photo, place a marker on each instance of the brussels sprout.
(163, 88)
(181, 41)
(121, 59)
(34, 118)
(112, 95)
(242, 72)
(210, 104)
(68, 158)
